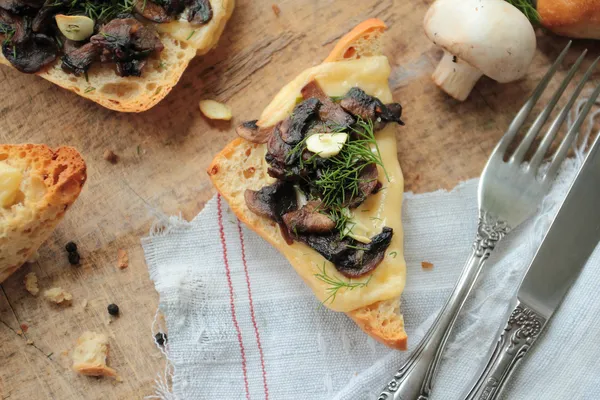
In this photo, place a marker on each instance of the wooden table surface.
(163, 155)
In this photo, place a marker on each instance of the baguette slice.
(181, 41)
(231, 174)
(38, 184)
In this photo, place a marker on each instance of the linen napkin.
(242, 325)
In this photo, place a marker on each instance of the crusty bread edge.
(62, 194)
(145, 101)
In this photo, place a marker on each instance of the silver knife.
(568, 244)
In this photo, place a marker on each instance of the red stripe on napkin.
(260, 350)
(231, 297)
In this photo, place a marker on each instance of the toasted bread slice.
(239, 166)
(39, 185)
(181, 41)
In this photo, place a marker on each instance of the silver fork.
(509, 193)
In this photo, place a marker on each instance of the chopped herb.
(335, 284)
(89, 89)
(49, 355)
(87, 78)
(336, 98)
(7, 31)
(393, 254)
(527, 7)
(375, 219)
(190, 35)
(162, 65)
(139, 150)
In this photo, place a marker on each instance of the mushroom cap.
(491, 35)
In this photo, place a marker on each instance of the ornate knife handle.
(522, 329)
(414, 379)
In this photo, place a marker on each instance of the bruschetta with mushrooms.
(123, 54)
(318, 177)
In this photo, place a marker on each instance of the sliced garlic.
(300, 197)
(75, 27)
(215, 110)
(326, 144)
(355, 229)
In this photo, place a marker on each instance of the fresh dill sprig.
(340, 180)
(190, 35)
(99, 11)
(89, 89)
(335, 284)
(527, 7)
(7, 31)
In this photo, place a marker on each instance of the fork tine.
(524, 112)
(538, 157)
(562, 151)
(541, 119)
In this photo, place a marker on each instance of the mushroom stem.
(455, 76)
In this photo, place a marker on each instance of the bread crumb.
(276, 10)
(30, 342)
(31, 284)
(90, 353)
(58, 295)
(426, 265)
(110, 156)
(24, 327)
(84, 303)
(122, 259)
(19, 332)
(215, 110)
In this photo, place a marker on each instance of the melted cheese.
(379, 210)
(10, 181)
(200, 37)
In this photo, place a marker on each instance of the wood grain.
(163, 154)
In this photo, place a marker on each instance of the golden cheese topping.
(379, 210)
(201, 37)
(10, 181)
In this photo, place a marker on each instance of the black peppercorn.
(71, 247)
(160, 338)
(113, 309)
(74, 258)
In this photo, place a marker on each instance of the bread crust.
(573, 18)
(53, 181)
(137, 94)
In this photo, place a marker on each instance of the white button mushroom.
(479, 37)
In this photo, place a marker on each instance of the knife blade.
(565, 249)
(569, 242)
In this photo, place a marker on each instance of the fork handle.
(522, 328)
(413, 380)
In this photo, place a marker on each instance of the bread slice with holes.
(355, 61)
(182, 42)
(37, 186)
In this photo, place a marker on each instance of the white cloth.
(252, 330)
(242, 325)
